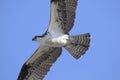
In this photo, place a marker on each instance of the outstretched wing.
(62, 15)
(39, 64)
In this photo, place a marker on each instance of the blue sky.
(21, 20)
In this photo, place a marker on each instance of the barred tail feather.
(79, 44)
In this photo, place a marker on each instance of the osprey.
(52, 41)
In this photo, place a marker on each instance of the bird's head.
(40, 38)
(37, 38)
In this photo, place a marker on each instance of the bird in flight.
(57, 36)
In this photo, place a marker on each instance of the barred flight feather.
(78, 45)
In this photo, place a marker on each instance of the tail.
(79, 44)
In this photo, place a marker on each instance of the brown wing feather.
(39, 67)
(63, 13)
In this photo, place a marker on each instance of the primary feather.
(40, 66)
(62, 15)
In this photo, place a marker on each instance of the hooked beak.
(33, 39)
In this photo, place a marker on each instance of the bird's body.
(59, 41)
(52, 41)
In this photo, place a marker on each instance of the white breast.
(60, 41)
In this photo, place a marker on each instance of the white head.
(38, 38)
(41, 38)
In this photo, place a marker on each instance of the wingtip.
(23, 72)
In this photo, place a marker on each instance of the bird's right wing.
(39, 64)
(62, 15)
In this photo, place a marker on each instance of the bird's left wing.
(39, 64)
(62, 15)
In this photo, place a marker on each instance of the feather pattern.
(39, 68)
(63, 14)
(79, 44)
